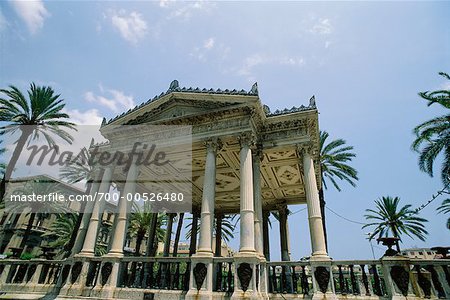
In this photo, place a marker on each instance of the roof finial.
(312, 101)
(254, 89)
(173, 85)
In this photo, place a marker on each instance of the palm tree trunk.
(322, 212)
(193, 244)
(13, 161)
(151, 236)
(27, 232)
(168, 237)
(218, 250)
(177, 235)
(139, 239)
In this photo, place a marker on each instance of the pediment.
(180, 108)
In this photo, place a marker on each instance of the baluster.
(137, 277)
(355, 288)
(131, 278)
(257, 277)
(186, 275)
(364, 279)
(437, 284)
(376, 278)
(218, 277)
(151, 279)
(347, 288)
(294, 280)
(158, 276)
(176, 277)
(304, 282)
(283, 279)
(230, 286)
(52, 270)
(44, 273)
(168, 276)
(423, 282)
(341, 281)
(447, 273)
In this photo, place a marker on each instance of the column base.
(252, 290)
(206, 290)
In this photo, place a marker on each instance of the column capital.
(247, 139)
(305, 148)
(213, 144)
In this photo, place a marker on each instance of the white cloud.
(33, 13)
(258, 59)
(116, 101)
(3, 22)
(186, 11)
(165, 3)
(209, 43)
(322, 27)
(132, 27)
(89, 117)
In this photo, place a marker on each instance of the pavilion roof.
(174, 88)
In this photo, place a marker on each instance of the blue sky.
(364, 61)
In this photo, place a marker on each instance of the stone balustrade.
(146, 277)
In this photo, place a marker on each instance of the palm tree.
(40, 114)
(39, 210)
(178, 234)
(2, 164)
(60, 230)
(334, 159)
(74, 171)
(389, 218)
(140, 220)
(445, 209)
(227, 224)
(433, 136)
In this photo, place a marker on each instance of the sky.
(365, 62)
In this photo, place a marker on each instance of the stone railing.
(144, 277)
(387, 278)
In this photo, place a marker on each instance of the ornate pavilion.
(246, 160)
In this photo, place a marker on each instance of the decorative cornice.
(174, 87)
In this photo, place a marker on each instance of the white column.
(124, 209)
(87, 213)
(312, 201)
(247, 234)
(91, 234)
(209, 191)
(259, 247)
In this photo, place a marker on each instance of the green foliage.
(228, 227)
(61, 230)
(445, 209)
(389, 218)
(78, 168)
(334, 158)
(27, 256)
(433, 136)
(43, 108)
